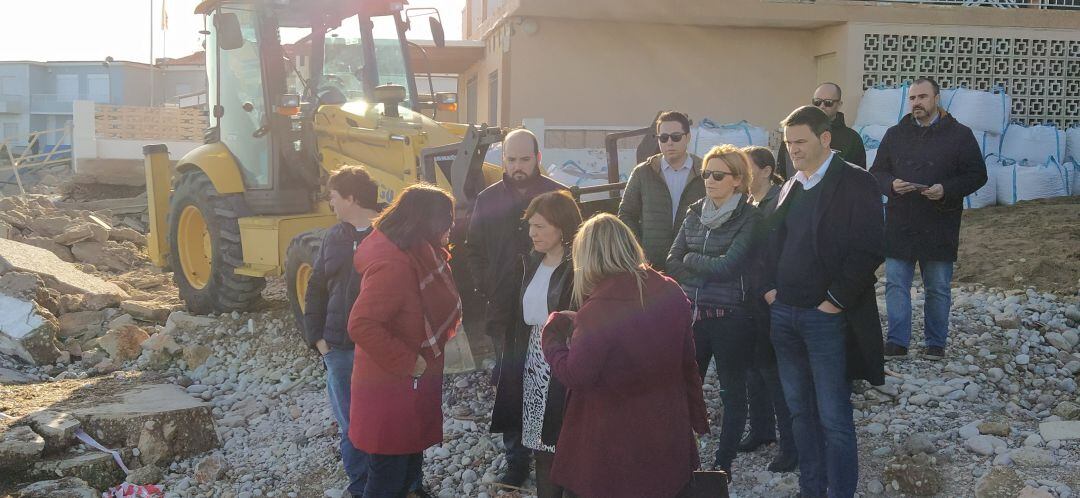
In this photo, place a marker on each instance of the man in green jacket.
(661, 189)
(845, 141)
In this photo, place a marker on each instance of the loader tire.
(205, 250)
(299, 263)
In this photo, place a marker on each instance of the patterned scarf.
(438, 295)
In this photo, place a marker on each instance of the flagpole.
(151, 53)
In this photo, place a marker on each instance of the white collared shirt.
(676, 181)
(808, 182)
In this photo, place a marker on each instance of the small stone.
(1067, 410)
(994, 429)
(1062, 430)
(210, 469)
(1032, 457)
(150, 474)
(875, 487)
(984, 445)
(918, 443)
(1000, 482)
(919, 399)
(1022, 359)
(1030, 492)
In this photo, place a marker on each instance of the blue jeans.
(811, 355)
(339, 364)
(937, 276)
(393, 476)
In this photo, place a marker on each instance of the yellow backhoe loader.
(249, 203)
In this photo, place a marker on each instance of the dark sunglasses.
(827, 102)
(677, 136)
(717, 175)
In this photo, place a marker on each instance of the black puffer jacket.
(333, 288)
(713, 266)
(507, 412)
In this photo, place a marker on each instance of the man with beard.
(661, 189)
(845, 141)
(497, 239)
(926, 164)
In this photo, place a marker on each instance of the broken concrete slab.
(28, 331)
(148, 311)
(6, 230)
(15, 218)
(111, 255)
(123, 343)
(1062, 430)
(57, 428)
(60, 251)
(30, 287)
(58, 275)
(20, 447)
(185, 425)
(68, 487)
(98, 469)
(50, 226)
(122, 234)
(74, 233)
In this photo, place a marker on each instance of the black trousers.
(730, 340)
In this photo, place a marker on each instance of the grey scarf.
(712, 216)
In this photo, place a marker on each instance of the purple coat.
(634, 393)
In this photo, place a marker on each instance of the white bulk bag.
(871, 155)
(980, 111)
(494, 155)
(709, 134)
(1034, 144)
(1072, 144)
(1073, 170)
(987, 194)
(1025, 182)
(882, 106)
(989, 143)
(872, 134)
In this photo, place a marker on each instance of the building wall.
(15, 92)
(607, 73)
(495, 59)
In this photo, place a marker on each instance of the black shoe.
(420, 492)
(751, 443)
(784, 463)
(934, 353)
(894, 350)
(516, 474)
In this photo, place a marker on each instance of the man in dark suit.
(824, 244)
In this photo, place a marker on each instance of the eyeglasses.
(825, 102)
(675, 137)
(717, 175)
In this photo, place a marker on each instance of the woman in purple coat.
(627, 360)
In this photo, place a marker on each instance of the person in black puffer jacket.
(711, 259)
(331, 291)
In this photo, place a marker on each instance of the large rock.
(50, 226)
(1000, 482)
(111, 255)
(148, 311)
(917, 475)
(57, 428)
(58, 275)
(82, 231)
(1067, 410)
(985, 445)
(9, 376)
(122, 234)
(28, 331)
(210, 469)
(98, 469)
(68, 487)
(150, 474)
(87, 324)
(60, 251)
(994, 429)
(123, 343)
(1063, 430)
(183, 322)
(1032, 457)
(27, 286)
(186, 425)
(20, 446)
(1030, 492)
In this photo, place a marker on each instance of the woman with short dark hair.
(408, 308)
(527, 399)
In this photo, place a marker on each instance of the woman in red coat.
(407, 309)
(627, 360)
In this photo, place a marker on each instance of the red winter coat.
(634, 393)
(387, 416)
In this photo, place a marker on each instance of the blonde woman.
(712, 259)
(626, 358)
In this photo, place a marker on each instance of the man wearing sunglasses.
(661, 189)
(845, 141)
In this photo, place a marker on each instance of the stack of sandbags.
(1072, 144)
(1026, 181)
(1033, 144)
(882, 106)
(871, 136)
(1072, 170)
(709, 134)
(980, 111)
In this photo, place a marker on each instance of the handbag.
(706, 484)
